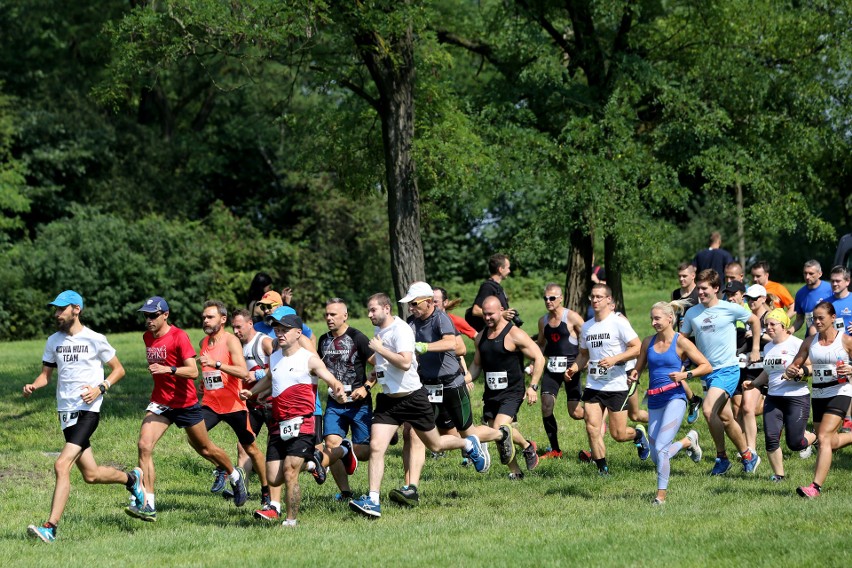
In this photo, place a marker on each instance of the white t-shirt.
(399, 338)
(606, 338)
(776, 359)
(79, 360)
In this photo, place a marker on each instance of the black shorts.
(414, 409)
(79, 433)
(258, 415)
(746, 375)
(184, 417)
(506, 402)
(614, 401)
(551, 382)
(454, 411)
(302, 446)
(837, 406)
(318, 434)
(238, 421)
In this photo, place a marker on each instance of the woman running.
(788, 402)
(662, 354)
(829, 352)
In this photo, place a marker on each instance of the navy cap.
(154, 304)
(734, 286)
(67, 298)
(286, 316)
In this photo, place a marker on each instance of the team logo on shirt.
(555, 337)
(156, 354)
(596, 339)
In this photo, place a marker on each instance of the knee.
(90, 476)
(62, 468)
(593, 429)
(795, 445)
(145, 447)
(707, 412)
(620, 435)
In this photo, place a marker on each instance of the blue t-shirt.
(715, 332)
(807, 298)
(843, 307)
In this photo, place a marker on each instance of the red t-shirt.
(462, 326)
(171, 350)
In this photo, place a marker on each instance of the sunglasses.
(550, 298)
(152, 315)
(418, 302)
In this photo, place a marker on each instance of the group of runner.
(267, 372)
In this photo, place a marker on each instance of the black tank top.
(495, 358)
(558, 341)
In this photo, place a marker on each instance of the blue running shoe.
(146, 513)
(43, 533)
(240, 491)
(136, 489)
(219, 478)
(721, 466)
(750, 466)
(366, 507)
(643, 448)
(481, 460)
(694, 408)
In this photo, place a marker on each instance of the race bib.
(774, 364)
(347, 389)
(557, 364)
(497, 380)
(289, 429)
(157, 408)
(436, 393)
(213, 380)
(596, 371)
(756, 365)
(68, 419)
(809, 318)
(824, 372)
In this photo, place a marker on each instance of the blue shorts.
(726, 378)
(356, 418)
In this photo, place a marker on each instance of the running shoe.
(481, 460)
(604, 472)
(146, 513)
(438, 455)
(465, 462)
(551, 455)
(318, 472)
(809, 451)
(505, 445)
(350, 461)
(343, 496)
(219, 478)
(267, 513)
(43, 533)
(366, 507)
(809, 492)
(405, 495)
(774, 478)
(847, 425)
(531, 455)
(290, 523)
(721, 466)
(239, 488)
(585, 456)
(694, 451)
(516, 476)
(643, 448)
(694, 409)
(750, 466)
(137, 492)
(657, 502)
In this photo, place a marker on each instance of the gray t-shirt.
(436, 368)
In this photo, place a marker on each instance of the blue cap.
(286, 316)
(154, 304)
(67, 298)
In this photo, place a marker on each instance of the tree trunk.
(612, 263)
(391, 65)
(740, 225)
(578, 278)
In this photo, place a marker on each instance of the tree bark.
(612, 263)
(578, 279)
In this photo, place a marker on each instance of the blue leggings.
(663, 424)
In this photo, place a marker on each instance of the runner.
(445, 305)
(558, 338)
(403, 399)
(499, 269)
(748, 405)
(812, 293)
(734, 272)
(78, 354)
(828, 351)
(223, 367)
(841, 299)
(293, 373)
(760, 275)
(171, 362)
(689, 293)
(607, 342)
(788, 402)
(662, 354)
(712, 324)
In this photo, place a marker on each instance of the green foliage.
(14, 193)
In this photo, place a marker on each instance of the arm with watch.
(116, 374)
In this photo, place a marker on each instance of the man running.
(607, 343)
(712, 323)
(403, 399)
(812, 293)
(734, 272)
(558, 338)
(223, 367)
(500, 351)
(499, 269)
(79, 354)
(171, 362)
(841, 299)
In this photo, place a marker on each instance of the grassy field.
(561, 514)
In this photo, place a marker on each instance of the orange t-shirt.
(221, 390)
(780, 291)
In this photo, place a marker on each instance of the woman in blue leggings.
(662, 354)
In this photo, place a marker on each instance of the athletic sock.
(601, 463)
(310, 465)
(551, 428)
(695, 399)
(468, 445)
(817, 487)
(722, 455)
(637, 437)
(149, 498)
(746, 455)
(374, 497)
(276, 505)
(50, 525)
(234, 476)
(129, 483)
(264, 490)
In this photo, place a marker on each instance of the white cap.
(417, 290)
(755, 291)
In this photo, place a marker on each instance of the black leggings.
(791, 413)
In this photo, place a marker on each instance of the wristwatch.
(218, 364)
(173, 369)
(534, 387)
(102, 388)
(367, 387)
(689, 374)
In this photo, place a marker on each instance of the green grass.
(561, 514)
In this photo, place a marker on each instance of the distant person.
(598, 273)
(445, 305)
(842, 302)
(760, 275)
(499, 269)
(79, 354)
(812, 293)
(714, 256)
(687, 291)
(260, 285)
(734, 271)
